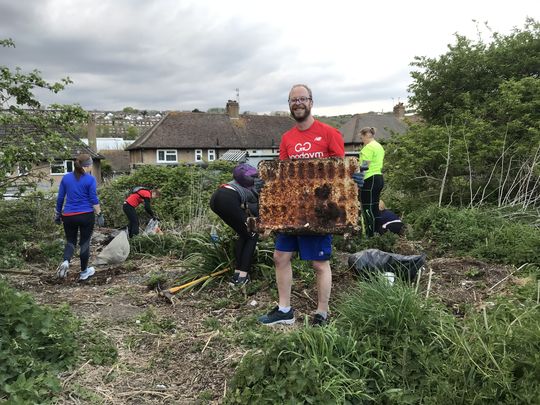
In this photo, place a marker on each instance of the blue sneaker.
(89, 272)
(275, 316)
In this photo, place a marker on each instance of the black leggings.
(131, 213)
(370, 194)
(72, 225)
(226, 204)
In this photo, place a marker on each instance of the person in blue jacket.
(77, 207)
(389, 221)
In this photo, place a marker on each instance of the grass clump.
(389, 345)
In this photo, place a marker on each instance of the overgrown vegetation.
(389, 345)
(36, 343)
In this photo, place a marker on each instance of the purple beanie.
(244, 174)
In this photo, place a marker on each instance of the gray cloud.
(147, 58)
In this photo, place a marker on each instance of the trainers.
(275, 316)
(62, 270)
(236, 280)
(319, 320)
(89, 272)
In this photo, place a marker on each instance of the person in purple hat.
(234, 202)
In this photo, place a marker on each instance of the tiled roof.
(76, 147)
(216, 131)
(385, 124)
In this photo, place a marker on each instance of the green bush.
(36, 342)
(185, 192)
(24, 222)
(484, 234)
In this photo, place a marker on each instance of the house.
(48, 174)
(385, 124)
(189, 137)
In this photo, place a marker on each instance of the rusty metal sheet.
(309, 196)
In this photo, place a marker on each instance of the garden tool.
(168, 293)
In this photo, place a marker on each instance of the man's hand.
(358, 179)
(57, 218)
(258, 185)
(100, 220)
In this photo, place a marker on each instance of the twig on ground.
(208, 341)
(429, 282)
(74, 373)
(510, 275)
(155, 393)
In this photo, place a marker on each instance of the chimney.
(232, 109)
(399, 111)
(92, 141)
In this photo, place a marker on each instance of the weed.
(149, 322)
(155, 279)
(211, 323)
(98, 347)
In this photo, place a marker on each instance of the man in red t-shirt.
(307, 140)
(136, 198)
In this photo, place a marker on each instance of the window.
(198, 155)
(59, 167)
(211, 155)
(167, 156)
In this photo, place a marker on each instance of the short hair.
(368, 130)
(305, 87)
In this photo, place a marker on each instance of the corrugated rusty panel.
(309, 196)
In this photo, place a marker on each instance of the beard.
(300, 112)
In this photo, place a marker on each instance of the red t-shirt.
(138, 198)
(318, 141)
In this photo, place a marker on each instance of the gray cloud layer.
(136, 53)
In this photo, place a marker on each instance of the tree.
(480, 142)
(31, 134)
(129, 110)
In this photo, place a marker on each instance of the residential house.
(49, 173)
(190, 137)
(385, 123)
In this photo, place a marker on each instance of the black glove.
(258, 185)
(358, 179)
(57, 218)
(100, 220)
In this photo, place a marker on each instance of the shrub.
(482, 233)
(36, 342)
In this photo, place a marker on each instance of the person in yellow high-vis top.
(372, 156)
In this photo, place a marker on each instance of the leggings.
(131, 213)
(72, 225)
(226, 204)
(370, 194)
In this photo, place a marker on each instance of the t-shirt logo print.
(302, 147)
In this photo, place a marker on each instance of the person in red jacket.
(137, 197)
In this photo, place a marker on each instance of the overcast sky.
(183, 54)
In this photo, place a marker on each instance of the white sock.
(284, 309)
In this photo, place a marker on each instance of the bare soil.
(192, 361)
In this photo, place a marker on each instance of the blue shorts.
(310, 247)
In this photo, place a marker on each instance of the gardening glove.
(258, 185)
(364, 166)
(358, 178)
(57, 218)
(100, 220)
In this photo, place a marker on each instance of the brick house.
(190, 137)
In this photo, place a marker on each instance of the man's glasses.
(299, 100)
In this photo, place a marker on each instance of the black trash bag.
(371, 261)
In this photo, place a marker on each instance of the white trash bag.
(152, 227)
(115, 252)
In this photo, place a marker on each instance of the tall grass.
(388, 345)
